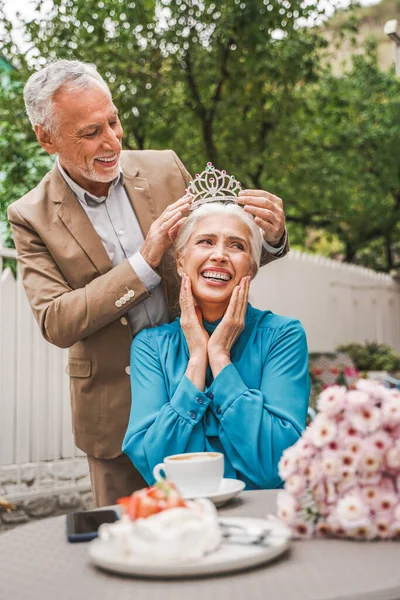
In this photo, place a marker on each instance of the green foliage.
(211, 80)
(342, 163)
(372, 356)
(240, 83)
(23, 162)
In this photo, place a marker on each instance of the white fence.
(35, 418)
(336, 303)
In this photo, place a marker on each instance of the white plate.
(228, 557)
(228, 489)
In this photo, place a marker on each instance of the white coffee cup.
(193, 473)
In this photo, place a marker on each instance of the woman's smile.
(216, 276)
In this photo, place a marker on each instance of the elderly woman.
(224, 376)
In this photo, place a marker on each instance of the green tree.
(23, 162)
(212, 80)
(338, 162)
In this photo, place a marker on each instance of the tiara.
(213, 185)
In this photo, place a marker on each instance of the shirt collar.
(210, 327)
(82, 194)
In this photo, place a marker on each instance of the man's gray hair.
(41, 86)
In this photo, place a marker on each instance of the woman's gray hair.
(217, 208)
(41, 87)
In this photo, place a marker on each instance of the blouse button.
(218, 411)
(210, 395)
(200, 400)
(193, 414)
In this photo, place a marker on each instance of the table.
(37, 563)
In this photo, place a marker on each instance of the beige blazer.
(72, 288)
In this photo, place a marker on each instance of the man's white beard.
(93, 175)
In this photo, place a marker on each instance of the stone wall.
(44, 489)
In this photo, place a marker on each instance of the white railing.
(35, 416)
(337, 303)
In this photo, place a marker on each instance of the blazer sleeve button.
(128, 370)
(131, 293)
(118, 303)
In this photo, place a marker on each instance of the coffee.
(197, 456)
(194, 473)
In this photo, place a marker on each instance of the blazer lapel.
(139, 194)
(78, 223)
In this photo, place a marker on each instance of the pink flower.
(352, 446)
(330, 465)
(350, 372)
(322, 430)
(393, 457)
(385, 502)
(331, 401)
(383, 526)
(352, 511)
(287, 507)
(371, 387)
(380, 440)
(366, 420)
(337, 528)
(370, 494)
(356, 399)
(349, 461)
(323, 529)
(391, 411)
(288, 463)
(303, 529)
(304, 448)
(295, 484)
(370, 461)
(362, 532)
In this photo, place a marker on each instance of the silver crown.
(213, 185)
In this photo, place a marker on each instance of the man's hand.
(267, 210)
(163, 231)
(228, 330)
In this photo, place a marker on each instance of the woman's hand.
(195, 334)
(230, 327)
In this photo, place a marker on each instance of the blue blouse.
(254, 409)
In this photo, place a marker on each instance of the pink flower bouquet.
(342, 478)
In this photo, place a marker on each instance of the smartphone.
(82, 526)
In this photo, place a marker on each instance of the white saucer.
(228, 557)
(228, 489)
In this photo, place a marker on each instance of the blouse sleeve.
(159, 425)
(257, 425)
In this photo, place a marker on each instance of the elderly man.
(93, 241)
